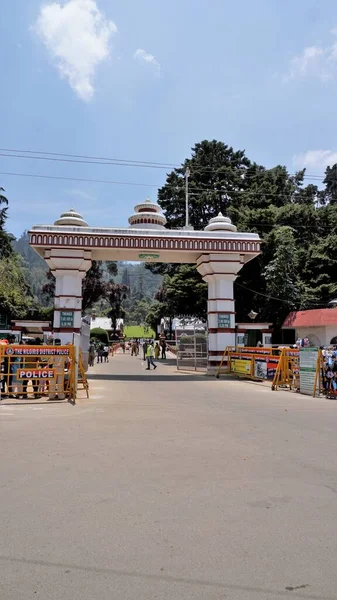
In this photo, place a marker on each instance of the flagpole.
(187, 174)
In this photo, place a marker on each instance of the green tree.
(137, 315)
(258, 200)
(15, 297)
(116, 294)
(282, 278)
(157, 310)
(184, 293)
(216, 172)
(5, 240)
(330, 193)
(99, 334)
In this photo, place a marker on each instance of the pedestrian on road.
(145, 347)
(156, 351)
(106, 353)
(149, 356)
(163, 350)
(92, 354)
(100, 353)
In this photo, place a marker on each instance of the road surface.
(170, 487)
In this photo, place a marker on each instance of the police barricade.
(29, 372)
(288, 370)
(278, 365)
(254, 363)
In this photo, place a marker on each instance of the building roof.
(317, 317)
(104, 323)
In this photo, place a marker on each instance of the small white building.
(319, 325)
(105, 323)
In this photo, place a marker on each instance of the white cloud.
(76, 35)
(80, 194)
(307, 63)
(145, 57)
(315, 61)
(315, 159)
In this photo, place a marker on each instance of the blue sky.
(146, 80)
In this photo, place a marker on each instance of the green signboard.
(308, 367)
(224, 321)
(67, 318)
(149, 256)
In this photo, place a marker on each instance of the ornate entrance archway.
(219, 252)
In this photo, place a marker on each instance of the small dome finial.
(220, 223)
(147, 215)
(71, 218)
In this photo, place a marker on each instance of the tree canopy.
(295, 220)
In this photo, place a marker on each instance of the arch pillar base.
(220, 274)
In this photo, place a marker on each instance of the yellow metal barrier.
(288, 370)
(279, 365)
(37, 372)
(251, 362)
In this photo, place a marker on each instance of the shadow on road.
(220, 585)
(148, 377)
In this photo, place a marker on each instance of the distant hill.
(142, 283)
(35, 267)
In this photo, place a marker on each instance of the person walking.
(100, 353)
(145, 347)
(156, 351)
(149, 356)
(163, 350)
(92, 355)
(106, 353)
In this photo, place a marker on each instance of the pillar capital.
(219, 266)
(68, 259)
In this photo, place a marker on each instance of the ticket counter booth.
(253, 334)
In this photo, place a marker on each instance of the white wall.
(319, 336)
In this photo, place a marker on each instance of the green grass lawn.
(137, 331)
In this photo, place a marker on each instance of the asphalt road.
(169, 487)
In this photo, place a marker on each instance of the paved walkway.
(169, 487)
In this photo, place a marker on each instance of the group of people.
(12, 386)
(101, 352)
(329, 371)
(150, 350)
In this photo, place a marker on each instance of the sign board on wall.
(224, 321)
(36, 374)
(149, 256)
(241, 365)
(265, 367)
(308, 365)
(37, 350)
(67, 318)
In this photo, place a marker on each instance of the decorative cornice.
(155, 240)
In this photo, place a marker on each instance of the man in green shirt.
(149, 357)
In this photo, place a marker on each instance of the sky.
(142, 80)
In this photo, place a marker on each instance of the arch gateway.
(219, 252)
